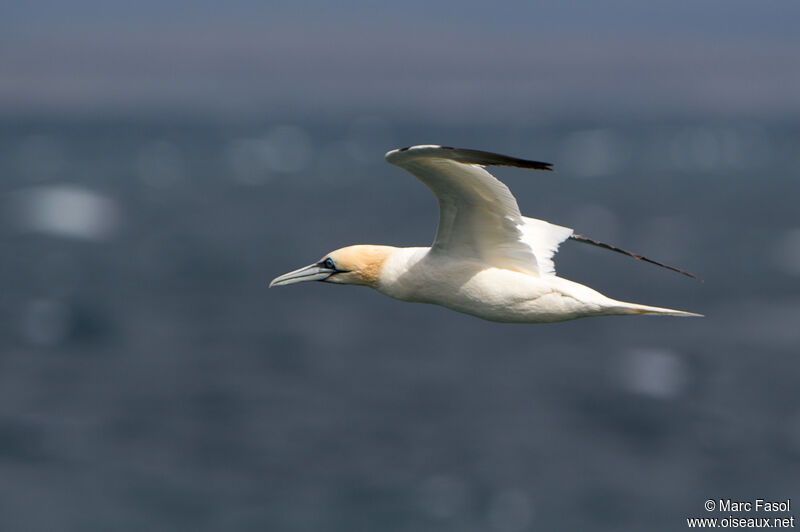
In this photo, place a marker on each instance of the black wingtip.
(585, 240)
(482, 158)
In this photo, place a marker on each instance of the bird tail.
(622, 307)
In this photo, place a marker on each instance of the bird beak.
(314, 272)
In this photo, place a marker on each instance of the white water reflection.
(443, 496)
(284, 149)
(594, 153)
(510, 511)
(786, 252)
(66, 211)
(659, 373)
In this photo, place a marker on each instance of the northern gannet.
(487, 259)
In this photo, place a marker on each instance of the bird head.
(360, 265)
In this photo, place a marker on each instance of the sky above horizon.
(516, 61)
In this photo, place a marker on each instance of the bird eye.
(328, 263)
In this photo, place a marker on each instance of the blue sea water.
(149, 380)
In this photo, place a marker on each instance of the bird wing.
(479, 218)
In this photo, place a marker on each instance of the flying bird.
(487, 259)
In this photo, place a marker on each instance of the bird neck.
(397, 270)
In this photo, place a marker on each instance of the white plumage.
(487, 259)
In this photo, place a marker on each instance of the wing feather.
(478, 216)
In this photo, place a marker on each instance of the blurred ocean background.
(160, 162)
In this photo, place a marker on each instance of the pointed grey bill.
(314, 272)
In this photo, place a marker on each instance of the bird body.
(487, 259)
